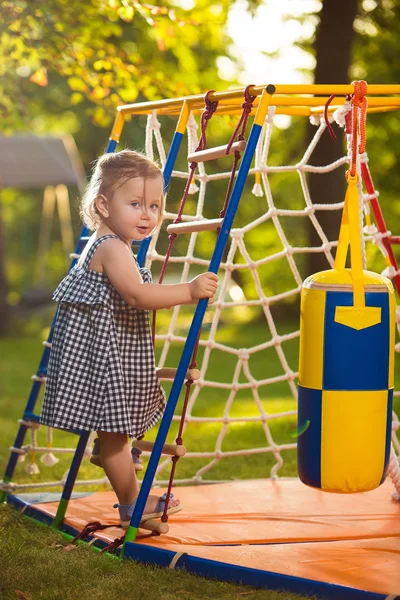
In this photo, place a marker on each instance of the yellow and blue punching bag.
(346, 369)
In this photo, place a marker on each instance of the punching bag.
(346, 368)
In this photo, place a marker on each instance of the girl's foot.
(154, 509)
(153, 501)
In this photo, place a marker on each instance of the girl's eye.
(135, 204)
(154, 207)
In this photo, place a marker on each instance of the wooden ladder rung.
(167, 373)
(217, 152)
(194, 226)
(154, 525)
(170, 449)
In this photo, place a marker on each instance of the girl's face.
(135, 208)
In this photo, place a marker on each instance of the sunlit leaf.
(77, 84)
(99, 93)
(126, 13)
(40, 77)
(76, 98)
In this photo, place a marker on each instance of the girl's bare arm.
(120, 267)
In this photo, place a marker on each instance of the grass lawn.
(41, 564)
(38, 563)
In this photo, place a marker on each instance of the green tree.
(66, 65)
(108, 51)
(357, 40)
(353, 39)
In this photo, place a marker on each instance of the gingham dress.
(101, 373)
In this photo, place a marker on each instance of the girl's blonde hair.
(109, 173)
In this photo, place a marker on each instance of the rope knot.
(358, 100)
(360, 91)
(240, 129)
(247, 96)
(210, 106)
(247, 106)
(326, 117)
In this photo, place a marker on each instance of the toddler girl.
(101, 372)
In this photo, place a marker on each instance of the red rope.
(90, 528)
(114, 544)
(328, 125)
(179, 438)
(358, 100)
(206, 115)
(363, 125)
(97, 526)
(209, 110)
(119, 541)
(380, 221)
(247, 106)
(238, 134)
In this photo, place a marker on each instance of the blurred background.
(65, 66)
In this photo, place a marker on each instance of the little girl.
(101, 372)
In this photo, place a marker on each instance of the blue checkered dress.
(101, 372)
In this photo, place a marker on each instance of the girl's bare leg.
(116, 458)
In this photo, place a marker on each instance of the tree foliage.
(65, 65)
(108, 52)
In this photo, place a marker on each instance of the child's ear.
(101, 203)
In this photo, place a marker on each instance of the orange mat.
(280, 526)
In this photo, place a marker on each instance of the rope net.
(240, 420)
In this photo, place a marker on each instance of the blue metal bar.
(42, 369)
(172, 154)
(168, 168)
(12, 461)
(112, 144)
(141, 255)
(33, 396)
(192, 335)
(84, 435)
(71, 477)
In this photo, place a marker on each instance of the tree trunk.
(4, 308)
(333, 44)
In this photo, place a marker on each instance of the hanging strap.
(357, 316)
(350, 235)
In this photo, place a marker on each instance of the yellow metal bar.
(300, 111)
(117, 127)
(183, 117)
(237, 95)
(340, 89)
(322, 100)
(265, 102)
(380, 109)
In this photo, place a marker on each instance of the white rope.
(277, 252)
(394, 473)
(153, 127)
(193, 141)
(242, 378)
